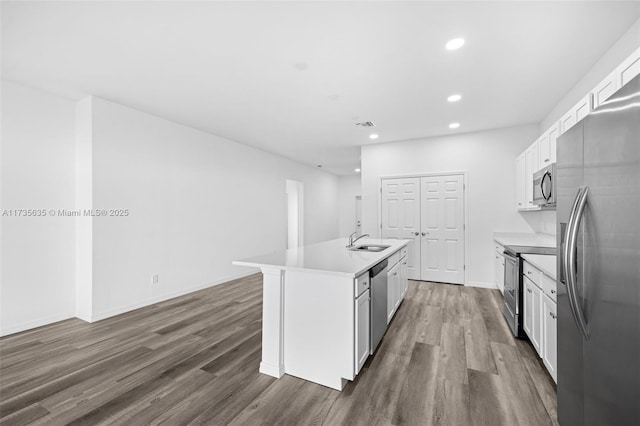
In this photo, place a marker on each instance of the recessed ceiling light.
(454, 98)
(357, 170)
(454, 44)
(454, 125)
(373, 136)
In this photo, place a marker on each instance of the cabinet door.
(629, 68)
(552, 136)
(520, 182)
(499, 271)
(605, 89)
(362, 330)
(531, 161)
(575, 114)
(392, 292)
(404, 272)
(544, 151)
(502, 275)
(532, 311)
(549, 336)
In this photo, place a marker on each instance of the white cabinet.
(579, 111)
(549, 336)
(526, 164)
(544, 151)
(547, 147)
(392, 291)
(532, 322)
(404, 279)
(362, 329)
(521, 198)
(397, 282)
(499, 267)
(531, 166)
(628, 69)
(604, 89)
(539, 314)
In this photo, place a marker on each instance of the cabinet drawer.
(403, 252)
(532, 273)
(393, 259)
(362, 283)
(549, 287)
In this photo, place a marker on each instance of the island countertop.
(331, 256)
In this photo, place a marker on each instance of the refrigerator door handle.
(569, 258)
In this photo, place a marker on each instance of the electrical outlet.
(154, 279)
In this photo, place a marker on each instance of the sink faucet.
(353, 241)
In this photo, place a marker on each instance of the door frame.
(465, 183)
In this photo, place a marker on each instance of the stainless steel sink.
(370, 247)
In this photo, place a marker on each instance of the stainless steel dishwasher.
(378, 303)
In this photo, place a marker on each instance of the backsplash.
(543, 222)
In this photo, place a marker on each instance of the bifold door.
(429, 211)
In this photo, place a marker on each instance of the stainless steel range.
(513, 283)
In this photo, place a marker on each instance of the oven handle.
(569, 258)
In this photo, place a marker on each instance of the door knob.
(424, 233)
(416, 233)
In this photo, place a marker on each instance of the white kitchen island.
(315, 318)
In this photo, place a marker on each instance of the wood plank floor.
(447, 358)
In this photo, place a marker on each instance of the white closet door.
(442, 229)
(401, 217)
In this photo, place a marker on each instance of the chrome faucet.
(352, 241)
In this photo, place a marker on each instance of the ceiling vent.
(366, 124)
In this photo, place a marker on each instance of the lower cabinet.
(404, 278)
(532, 322)
(549, 335)
(393, 279)
(397, 284)
(499, 267)
(539, 316)
(362, 329)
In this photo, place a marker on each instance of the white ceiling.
(293, 77)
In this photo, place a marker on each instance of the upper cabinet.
(628, 69)
(521, 199)
(604, 89)
(576, 113)
(624, 73)
(542, 152)
(547, 146)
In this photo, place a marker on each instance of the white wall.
(348, 188)
(489, 160)
(196, 203)
(37, 253)
(626, 45)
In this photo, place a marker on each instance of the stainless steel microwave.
(544, 188)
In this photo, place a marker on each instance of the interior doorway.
(358, 223)
(295, 214)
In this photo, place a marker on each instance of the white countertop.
(525, 239)
(328, 256)
(545, 262)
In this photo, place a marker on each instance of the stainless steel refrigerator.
(598, 214)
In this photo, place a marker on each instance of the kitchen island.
(316, 305)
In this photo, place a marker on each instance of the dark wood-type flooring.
(447, 358)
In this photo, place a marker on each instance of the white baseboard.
(161, 298)
(17, 328)
(481, 284)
